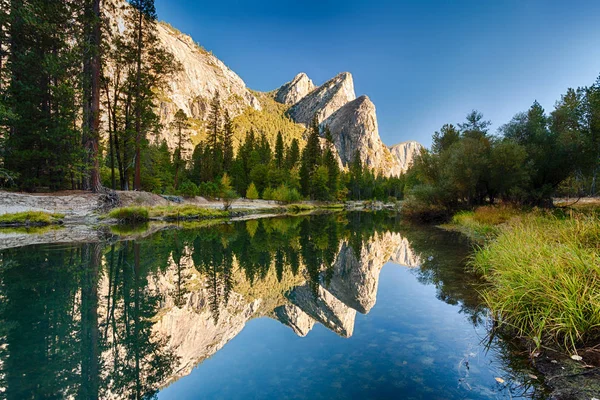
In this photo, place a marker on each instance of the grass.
(544, 275)
(186, 212)
(31, 218)
(485, 222)
(130, 214)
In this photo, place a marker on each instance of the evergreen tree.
(215, 137)
(91, 93)
(293, 155)
(311, 159)
(445, 138)
(279, 151)
(356, 176)
(43, 144)
(329, 161)
(181, 125)
(227, 143)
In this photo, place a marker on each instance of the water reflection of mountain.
(136, 315)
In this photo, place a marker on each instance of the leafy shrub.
(209, 190)
(188, 189)
(283, 194)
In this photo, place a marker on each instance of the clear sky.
(423, 63)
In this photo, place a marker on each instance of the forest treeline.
(78, 110)
(534, 157)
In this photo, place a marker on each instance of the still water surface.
(353, 306)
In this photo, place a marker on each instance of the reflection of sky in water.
(410, 345)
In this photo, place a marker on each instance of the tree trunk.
(91, 95)
(137, 183)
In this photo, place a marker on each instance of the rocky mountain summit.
(295, 90)
(352, 120)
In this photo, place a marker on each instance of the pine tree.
(311, 159)
(92, 66)
(214, 136)
(181, 125)
(43, 144)
(227, 143)
(356, 176)
(331, 163)
(279, 151)
(293, 155)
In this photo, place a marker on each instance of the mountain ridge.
(202, 75)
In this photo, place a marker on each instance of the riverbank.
(77, 216)
(543, 274)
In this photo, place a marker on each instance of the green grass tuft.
(186, 212)
(30, 218)
(544, 275)
(130, 214)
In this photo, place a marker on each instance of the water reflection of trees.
(76, 321)
(62, 338)
(444, 257)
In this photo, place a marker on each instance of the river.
(345, 305)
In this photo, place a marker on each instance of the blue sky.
(423, 63)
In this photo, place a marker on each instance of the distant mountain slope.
(288, 109)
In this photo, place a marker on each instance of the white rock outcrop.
(405, 153)
(325, 100)
(295, 90)
(354, 128)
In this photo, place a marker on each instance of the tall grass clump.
(484, 222)
(130, 214)
(544, 275)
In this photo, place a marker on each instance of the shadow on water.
(88, 321)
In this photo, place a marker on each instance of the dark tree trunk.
(91, 95)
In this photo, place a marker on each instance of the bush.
(209, 190)
(545, 280)
(130, 214)
(268, 194)
(283, 194)
(252, 193)
(188, 189)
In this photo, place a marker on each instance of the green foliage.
(30, 218)
(130, 214)
(252, 192)
(186, 212)
(189, 189)
(227, 193)
(544, 279)
(283, 194)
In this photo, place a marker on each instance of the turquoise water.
(353, 306)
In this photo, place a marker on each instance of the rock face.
(295, 90)
(405, 153)
(292, 316)
(195, 84)
(325, 100)
(354, 128)
(356, 278)
(352, 121)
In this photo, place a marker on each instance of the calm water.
(352, 306)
